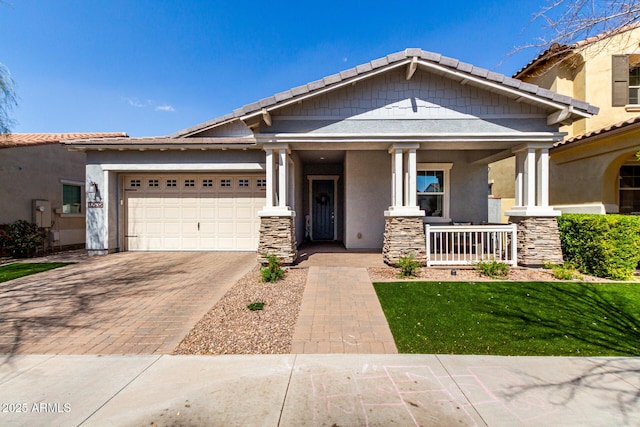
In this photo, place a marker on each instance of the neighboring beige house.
(594, 169)
(42, 182)
(365, 157)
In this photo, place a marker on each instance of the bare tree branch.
(7, 99)
(567, 22)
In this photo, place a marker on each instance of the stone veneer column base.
(403, 235)
(278, 237)
(538, 240)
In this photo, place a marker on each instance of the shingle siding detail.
(405, 55)
(426, 95)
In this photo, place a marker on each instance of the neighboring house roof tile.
(372, 66)
(161, 140)
(599, 132)
(557, 51)
(30, 139)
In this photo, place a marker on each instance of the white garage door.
(193, 212)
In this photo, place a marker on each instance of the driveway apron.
(124, 303)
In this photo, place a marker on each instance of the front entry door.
(323, 209)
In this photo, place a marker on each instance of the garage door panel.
(164, 211)
(170, 213)
(225, 213)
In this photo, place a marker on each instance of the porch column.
(413, 178)
(538, 236)
(398, 163)
(519, 177)
(530, 177)
(542, 177)
(277, 223)
(269, 177)
(282, 179)
(532, 181)
(404, 229)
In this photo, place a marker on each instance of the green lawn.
(20, 269)
(513, 318)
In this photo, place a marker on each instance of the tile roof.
(161, 140)
(398, 58)
(558, 50)
(29, 139)
(602, 131)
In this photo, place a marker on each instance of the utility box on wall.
(42, 213)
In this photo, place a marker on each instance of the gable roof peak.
(428, 60)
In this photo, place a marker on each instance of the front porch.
(343, 196)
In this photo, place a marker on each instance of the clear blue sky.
(154, 67)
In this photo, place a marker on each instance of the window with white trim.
(71, 199)
(432, 186)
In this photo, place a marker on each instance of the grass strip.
(21, 269)
(513, 318)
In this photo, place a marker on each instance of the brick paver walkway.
(341, 314)
(125, 303)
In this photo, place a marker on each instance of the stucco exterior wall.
(502, 174)
(35, 172)
(587, 174)
(367, 184)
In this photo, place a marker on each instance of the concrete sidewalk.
(294, 390)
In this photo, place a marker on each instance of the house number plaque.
(93, 205)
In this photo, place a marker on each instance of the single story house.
(43, 183)
(366, 157)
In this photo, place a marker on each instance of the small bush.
(601, 245)
(256, 306)
(21, 239)
(272, 272)
(408, 265)
(493, 269)
(563, 272)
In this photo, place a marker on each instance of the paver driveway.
(124, 303)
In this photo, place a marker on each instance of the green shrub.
(256, 306)
(493, 268)
(21, 239)
(408, 265)
(563, 272)
(272, 272)
(601, 245)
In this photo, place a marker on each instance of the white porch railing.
(468, 244)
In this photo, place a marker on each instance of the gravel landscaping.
(231, 328)
(465, 273)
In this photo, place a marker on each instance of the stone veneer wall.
(403, 235)
(538, 240)
(278, 237)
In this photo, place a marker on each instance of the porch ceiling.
(321, 156)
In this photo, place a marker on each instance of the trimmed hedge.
(20, 239)
(601, 245)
